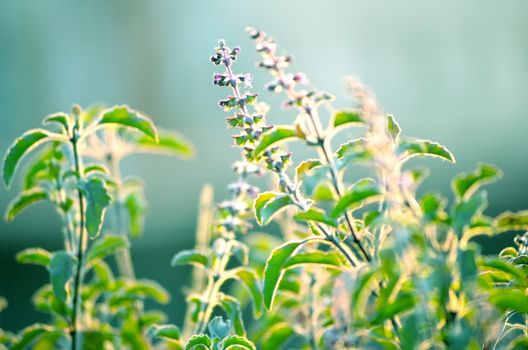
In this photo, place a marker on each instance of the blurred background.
(451, 71)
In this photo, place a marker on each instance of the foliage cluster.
(351, 262)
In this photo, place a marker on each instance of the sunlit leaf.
(347, 117)
(363, 192)
(20, 147)
(169, 143)
(278, 134)
(305, 167)
(314, 214)
(509, 221)
(233, 310)
(464, 185)
(393, 127)
(97, 200)
(510, 299)
(24, 200)
(190, 257)
(106, 246)
(331, 260)
(199, 342)
(125, 116)
(35, 256)
(167, 332)
(274, 270)
(61, 270)
(268, 204)
(61, 119)
(237, 342)
(412, 148)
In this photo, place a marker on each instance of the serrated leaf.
(190, 257)
(20, 147)
(105, 246)
(199, 342)
(268, 204)
(347, 117)
(97, 200)
(361, 193)
(509, 221)
(169, 143)
(354, 150)
(168, 332)
(510, 299)
(61, 271)
(237, 342)
(24, 200)
(393, 127)
(274, 270)
(318, 215)
(412, 148)
(278, 134)
(330, 260)
(125, 116)
(464, 185)
(35, 256)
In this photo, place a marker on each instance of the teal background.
(452, 71)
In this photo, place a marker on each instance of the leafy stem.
(82, 243)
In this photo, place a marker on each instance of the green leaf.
(237, 342)
(393, 127)
(509, 299)
(136, 205)
(61, 270)
(274, 269)
(508, 253)
(466, 184)
(464, 212)
(498, 264)
(169, 143)
(31, 334)
(402, 303)
(277, 134)
(347, 117)
(125, 116)
(232, 308)
(354, 150)
(306, 166)
(250, 279)
(105, 246)
(268, 204)
(509, 221)
(35, 256)
(24, 200)
(331, 260)
(97, 200)
(318, 215)
(23, 145)
(190, 257)
(199, 342)
(3, 304)
(278, 336)
(412, 148)
(361, 193)
(59, 118)
(95, 168)
(149, 289)
(167, 332)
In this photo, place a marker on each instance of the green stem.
(76, 341)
